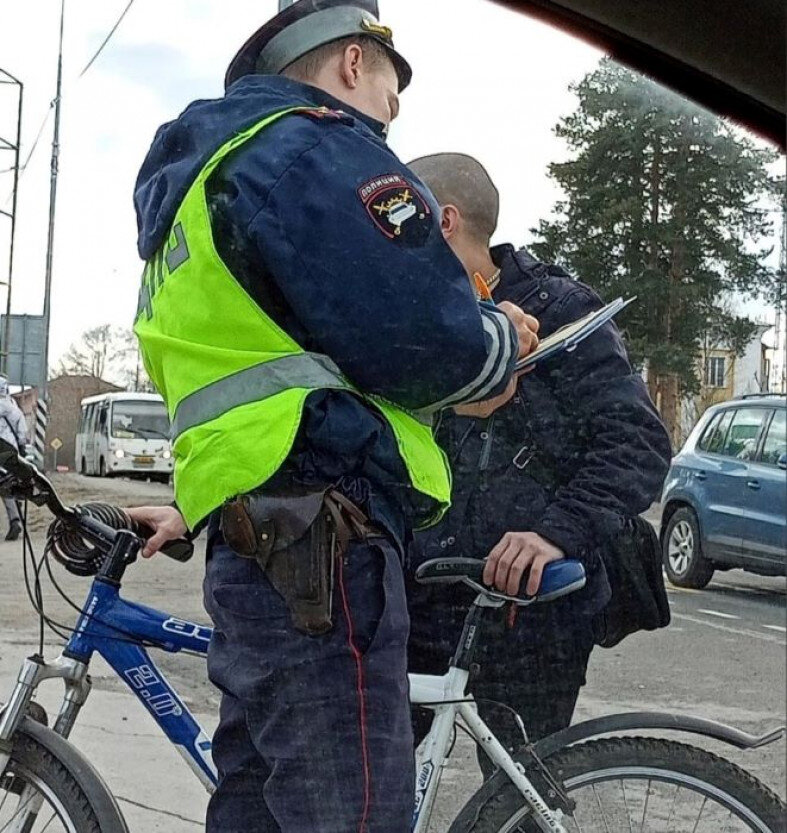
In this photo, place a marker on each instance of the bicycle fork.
(34, 671)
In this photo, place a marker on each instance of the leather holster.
(296, 540)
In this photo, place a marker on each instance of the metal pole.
(6, 329)
(52, 201)
(780, 351)
(6, 145)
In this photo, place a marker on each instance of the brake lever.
(11, 486)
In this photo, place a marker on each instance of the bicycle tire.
(494, 809)
(32, 763)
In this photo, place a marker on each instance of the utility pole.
(5, 144)
(779, 375)
(53, 199)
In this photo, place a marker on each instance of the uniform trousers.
(315, 733)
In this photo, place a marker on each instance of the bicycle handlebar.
(23, 480)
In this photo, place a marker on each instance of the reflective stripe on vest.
(255, 384)
(234, 382)
(310, 370)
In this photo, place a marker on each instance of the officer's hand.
(525, 325)
(165, 521)
(517, 552)
(482, 410)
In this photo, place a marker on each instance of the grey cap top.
(306, 25)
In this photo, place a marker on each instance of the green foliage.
(667, 202)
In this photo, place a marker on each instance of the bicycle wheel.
(37, 794)
(637, 785)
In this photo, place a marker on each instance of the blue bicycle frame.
(117, 630)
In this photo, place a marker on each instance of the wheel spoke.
(645, 808)
(626, 805)
(699, 815)
(728, 825)
(672, 808)
(27, 815)
(51, 819)
(24, 803)
(601, 809)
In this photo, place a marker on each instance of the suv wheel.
(682, 552)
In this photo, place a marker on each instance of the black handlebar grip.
(180, 549)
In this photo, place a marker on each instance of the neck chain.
(493, 281)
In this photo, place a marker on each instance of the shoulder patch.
(398, 209)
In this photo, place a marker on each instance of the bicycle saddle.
(559, 578)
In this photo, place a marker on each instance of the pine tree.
(666, 202)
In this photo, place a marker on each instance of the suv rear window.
(741, 441)
(713, 438)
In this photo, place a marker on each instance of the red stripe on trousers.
(357, 656)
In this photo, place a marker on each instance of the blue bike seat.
(559, 577)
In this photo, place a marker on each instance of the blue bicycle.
(566, 783)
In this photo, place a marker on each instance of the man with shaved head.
(560, 471)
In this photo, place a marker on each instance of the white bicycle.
(567, 783)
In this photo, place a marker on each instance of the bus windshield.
(139, 420)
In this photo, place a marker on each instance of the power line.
(37, 138)
(90, 63)
(23, 167)
(107, 38)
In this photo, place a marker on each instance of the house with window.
(724, 376)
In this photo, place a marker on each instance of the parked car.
(725, 497)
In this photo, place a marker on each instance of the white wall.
(748, 367)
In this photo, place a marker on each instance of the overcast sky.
(487, 81)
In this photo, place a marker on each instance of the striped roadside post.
(39, 440)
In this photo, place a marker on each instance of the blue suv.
(725, 497)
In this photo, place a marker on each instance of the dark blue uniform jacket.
(340, 244)
(579, 449)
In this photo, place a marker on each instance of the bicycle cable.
(32, 595)
(35, 595)
(515, 714)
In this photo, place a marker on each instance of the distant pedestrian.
(13, 429)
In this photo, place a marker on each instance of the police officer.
(553, 473)
(304, 320)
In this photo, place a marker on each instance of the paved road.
(723, 657)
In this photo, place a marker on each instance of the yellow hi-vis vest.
(233, 381)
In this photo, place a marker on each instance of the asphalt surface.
(722, 658)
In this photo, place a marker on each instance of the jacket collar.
(515, 271)
(289, 88)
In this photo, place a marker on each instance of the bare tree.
(109, 353)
